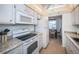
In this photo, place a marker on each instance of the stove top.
(26, 36)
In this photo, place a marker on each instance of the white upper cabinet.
(25, 9)
(73, 17)
(17, 14)
(26, 15)
(21, 7)
(22, 18)
(35, 18)
(76, 16)
(7, 12)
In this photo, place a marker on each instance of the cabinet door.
(71, 48)
(68, 48)
(73, 17)
(40, 43)
(35, 18)
(17, 50)
(76, 14)
(22, 18)
(20, 7)
(25, 9)
(74, 48)
(7, 14)
(29, 11)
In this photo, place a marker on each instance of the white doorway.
(55, 28)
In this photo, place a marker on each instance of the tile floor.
(54, 47)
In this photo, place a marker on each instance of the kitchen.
(24, 27)
(19, 23)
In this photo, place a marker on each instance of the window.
(52, 24)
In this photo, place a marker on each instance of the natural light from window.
(52, 24)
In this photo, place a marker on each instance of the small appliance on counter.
(3, 36)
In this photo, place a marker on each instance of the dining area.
(55, 27)
(52, 33)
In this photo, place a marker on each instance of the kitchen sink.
(76, 39)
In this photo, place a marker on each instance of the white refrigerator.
(42, 27)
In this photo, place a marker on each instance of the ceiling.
(51, 6)
(51, 9)
(58, 9)
(38, 8)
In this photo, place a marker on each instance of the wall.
(58, 23)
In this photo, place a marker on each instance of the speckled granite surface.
(11, 44)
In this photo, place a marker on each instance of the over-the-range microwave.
(23, 18)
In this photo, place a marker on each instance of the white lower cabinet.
(69, 51)
(68, 47)
(74, 49)
(71, 48)
(17, 50)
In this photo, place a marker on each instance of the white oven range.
(29, 40)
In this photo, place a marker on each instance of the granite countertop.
(11, 44)
(70, 35)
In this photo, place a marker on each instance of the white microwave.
(22, 18)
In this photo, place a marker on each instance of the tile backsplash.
(16, 27)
